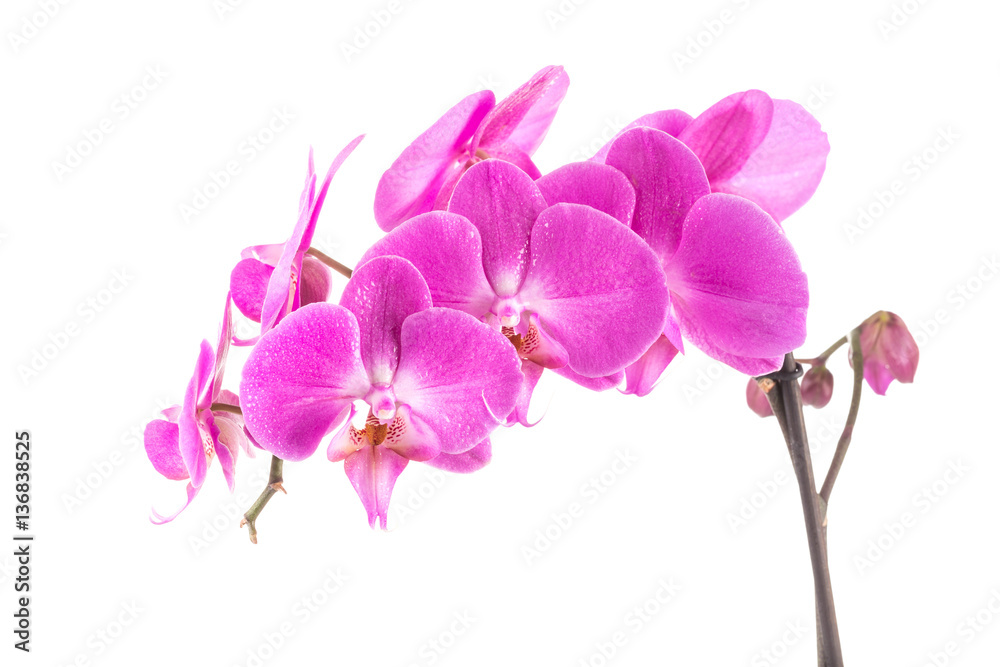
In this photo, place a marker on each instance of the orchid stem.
(852, 416)
(273, 486)
(821, 359)
(225, 407)
(787, 401)
(330, 261)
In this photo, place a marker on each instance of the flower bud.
(817, 386)
(889, 351)
(757, 399)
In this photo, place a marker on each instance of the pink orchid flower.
(437, 382)
(423, 176)
(273, 280)
(889, 350)
(772, 152)
(182, 446)
(549, 263)
(737, 290)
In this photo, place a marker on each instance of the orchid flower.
(737, 290)
(546, 263)
(772, 152)
(889, 351)
(436, 382)
(423, 177)
(182, 446)
(273, 280)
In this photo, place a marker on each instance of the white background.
(207, 596)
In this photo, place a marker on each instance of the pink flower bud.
(757, 399)
(890, 353)
(817, 386)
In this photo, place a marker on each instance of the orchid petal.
(410, 437)
(382, 293)
(725, 135)
(269, 253)
(315, 283)
(597, 185)
(737, 288)
(411, 185)
(597, 288)
(226, 450)
(278, 287)
(600, 383)
(642, 376)
(248, 285)
(466, 462)
(447, 250)
(458, 376)
(532, 374)
(511, 153)
(503, 203)
(373, 472)
(300, 378)
(222, 351)
(523, 117)
(159, 519)
(672, 122)
(161, 439)
(668, 179)
(191, 436)
(785, 169)
(539, 347)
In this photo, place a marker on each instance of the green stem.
(821, 359)
(225, 407)
(330, 261)
(273, 486)
(857, 358)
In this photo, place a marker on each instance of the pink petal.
(642, 376)
(452, 264)
(222, 351)
(602, 383)
(668, 179)
(231, 433)
(532, 374)
(672, 122)
(458, 376)
(373, 472)
(190, 434)
(163, 449)
(510, 153)
(159, 519)
(523, 117)
(382, 293)
(785, 169)
(411, 185)
(268, 253)
(597, 288)
(736, 285)
(315, 283)
(466, 462)
(502, 202)
(226, 450)
(538, 346)
(300, 378)
(277, 302)
(598, 185)
(248, 285)
(725, 135)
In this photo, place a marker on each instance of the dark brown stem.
(787, 400)
(330, 261)
(273, 486)
(857, 358)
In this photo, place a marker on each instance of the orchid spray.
(492, 272)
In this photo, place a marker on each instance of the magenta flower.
(772, 152)
(423, 176)
(889, 351)
(737, 290)
(273, 280)
(817, 386)
(436, 382)
(569, 285)
(182, 446)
